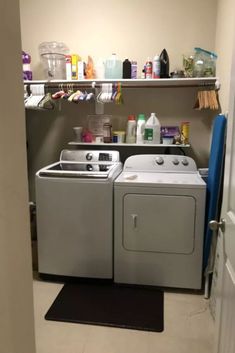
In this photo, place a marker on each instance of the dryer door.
(159, 223)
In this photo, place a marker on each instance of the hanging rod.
(133, 83)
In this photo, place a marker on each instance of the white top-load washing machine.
(159, 203)
(74, 200)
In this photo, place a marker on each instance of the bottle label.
(26, 67)
(134, 70)
(148, 134)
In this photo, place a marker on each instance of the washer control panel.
(160, 163)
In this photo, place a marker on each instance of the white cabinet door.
(225, 340)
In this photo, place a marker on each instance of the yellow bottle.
(185, 132)
(75, 58)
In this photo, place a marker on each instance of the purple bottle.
(27, 73)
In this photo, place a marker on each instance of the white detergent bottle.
(131, 129)
(152, 131)
(140, 129)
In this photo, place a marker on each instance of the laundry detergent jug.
(113, 68)
(152, 131)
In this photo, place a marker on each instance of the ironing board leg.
(206, 290)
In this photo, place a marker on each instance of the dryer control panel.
(160, 163)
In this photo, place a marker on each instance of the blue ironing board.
(215, 173)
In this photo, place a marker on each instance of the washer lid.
(78, 170)
(171, 180)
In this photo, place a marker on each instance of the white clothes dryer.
(159, 206)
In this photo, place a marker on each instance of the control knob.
(159, 160)
(89, 156)
(185, 161)
(175, 161)
(89, 167)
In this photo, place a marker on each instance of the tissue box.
(168, 133)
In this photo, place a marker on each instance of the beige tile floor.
(188, 328)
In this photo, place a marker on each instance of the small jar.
(107, 131)
(119, 136)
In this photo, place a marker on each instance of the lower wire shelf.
(74, 143)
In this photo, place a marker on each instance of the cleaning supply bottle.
(26, 60)
(140, 129)
(152, 131)
(134, 69)
(126, 69)
(156, 66)
(148, 68)
(164, 64)
(131, 129)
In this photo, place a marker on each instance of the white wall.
(225, 27)
(16, 298)
(135, 28)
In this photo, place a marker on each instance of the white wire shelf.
(135, 83)
(74, 143)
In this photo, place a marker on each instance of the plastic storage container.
(204, 63)
(113, 68)
(53, 57)
(140, 129)
(95, 124)
(169, 134)
(152, 131)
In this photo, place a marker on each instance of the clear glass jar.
(188, 61)
(53, 57)
(107, 131)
